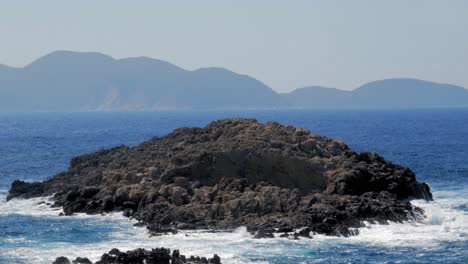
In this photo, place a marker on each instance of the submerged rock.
(237, 172)
(142, 256)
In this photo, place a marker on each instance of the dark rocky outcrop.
(236, 172)
(142, 256)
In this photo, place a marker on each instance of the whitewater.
(443, 222)
(431, 142)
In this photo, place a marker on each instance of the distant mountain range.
(87, 81)
(385, 94)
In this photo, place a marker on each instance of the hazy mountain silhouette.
(81, 81)
(317, 97)
(383, 94)
(87, 81)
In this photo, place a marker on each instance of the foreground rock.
(236, 172)
(142, 256)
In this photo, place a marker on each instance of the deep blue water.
(433, 143)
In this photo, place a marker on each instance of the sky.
(285, 44)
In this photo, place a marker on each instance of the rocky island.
(271, 178)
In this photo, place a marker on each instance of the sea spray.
(442, 224)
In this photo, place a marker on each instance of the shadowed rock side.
(236, 172)
(141, 256)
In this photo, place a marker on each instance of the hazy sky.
(286, 44)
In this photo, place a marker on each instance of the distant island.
(384, 94)
(89, 81)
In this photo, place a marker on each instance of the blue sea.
(432, 142)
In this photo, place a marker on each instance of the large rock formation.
(236, 172)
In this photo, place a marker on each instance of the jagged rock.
(263, 233)
(61, 260)
(237, 172)
(305, 232)
(142, 256)
(80, 260)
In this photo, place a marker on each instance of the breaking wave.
(91, 235)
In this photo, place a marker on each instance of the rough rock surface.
(236, 172)
(142, 256)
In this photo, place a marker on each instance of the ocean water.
(433, 143)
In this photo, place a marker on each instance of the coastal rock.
(61, 260)
(142, 256)
(237, 172)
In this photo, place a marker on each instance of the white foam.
(41, 207)
(443, 222)
(228, 245)
(126, 237)
(31, 207)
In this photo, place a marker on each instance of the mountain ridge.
(93, 81)
(382, 94)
